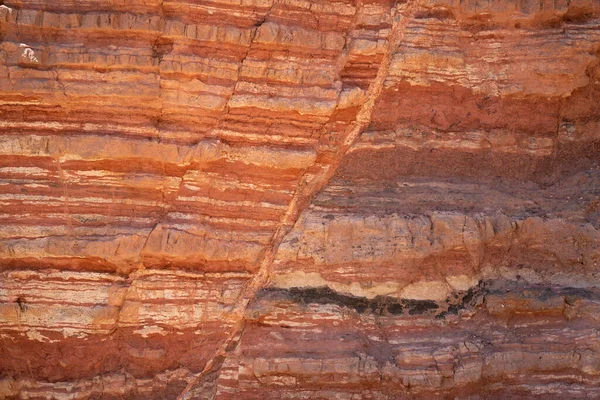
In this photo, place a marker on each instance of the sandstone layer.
(287, 199)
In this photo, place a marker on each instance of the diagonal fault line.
(310, 184)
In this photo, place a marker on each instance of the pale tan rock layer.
(299, 199)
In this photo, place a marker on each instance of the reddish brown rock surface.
(277, 199)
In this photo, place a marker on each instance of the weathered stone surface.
(299, 199)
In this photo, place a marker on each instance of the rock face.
(286, 199)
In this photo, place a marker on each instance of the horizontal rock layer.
(288, 199)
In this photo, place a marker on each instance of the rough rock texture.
(287, 199)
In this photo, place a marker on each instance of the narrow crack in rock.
(308, 187)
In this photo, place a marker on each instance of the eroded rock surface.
(299, 199)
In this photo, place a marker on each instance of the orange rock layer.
(299, 199)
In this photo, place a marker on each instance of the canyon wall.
(290, 199)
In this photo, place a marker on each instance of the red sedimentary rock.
(299, 199)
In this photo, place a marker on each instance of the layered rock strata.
(288, 199)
